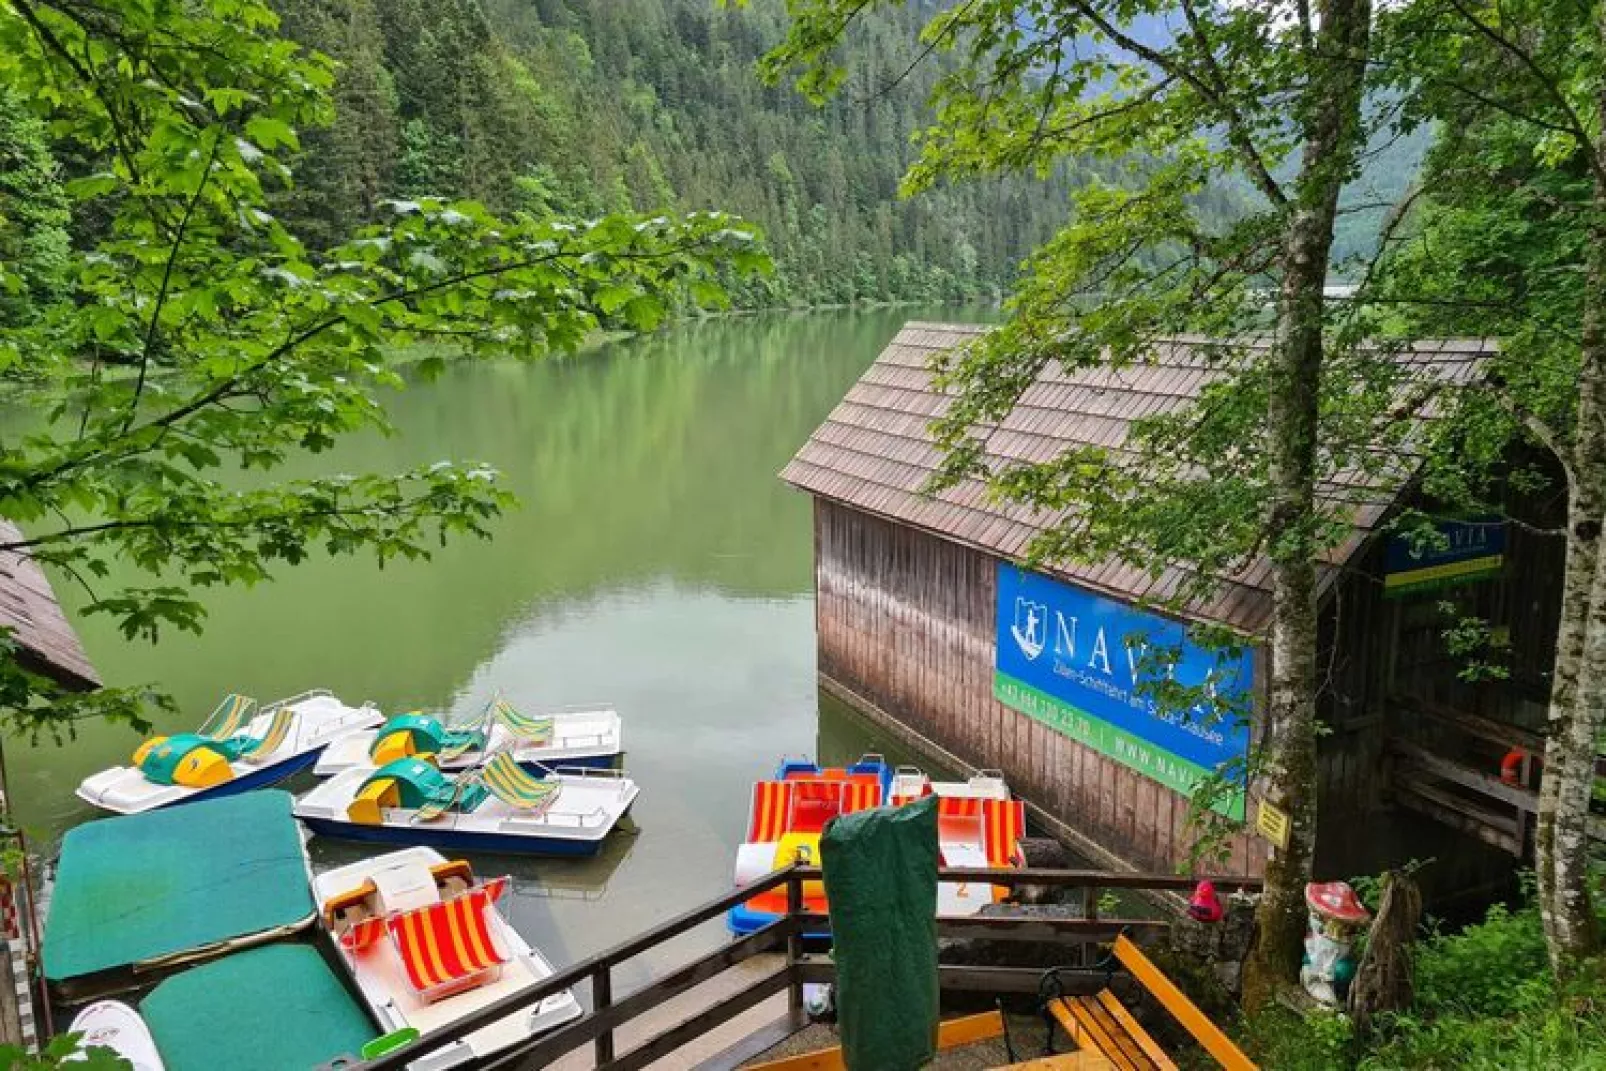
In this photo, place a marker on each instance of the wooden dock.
(733, 1003)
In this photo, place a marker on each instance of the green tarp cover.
(276, 1008)
(134, 889)
(881, 882)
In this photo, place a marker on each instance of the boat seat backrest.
(362, 933)
(449, 947)
(1003, 825)
(814, 803)
(772, 801)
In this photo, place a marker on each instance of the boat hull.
(118, 1027)
(266, 777)
(455, 840)
(743, 920)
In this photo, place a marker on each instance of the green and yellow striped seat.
(537, 730)
(231, 715)
(257, 748)
(505, 779)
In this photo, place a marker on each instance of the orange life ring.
(1511, 766)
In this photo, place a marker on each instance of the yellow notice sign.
(1273, 824)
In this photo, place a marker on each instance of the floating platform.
(144, 894)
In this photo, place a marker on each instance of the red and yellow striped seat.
(1003, 825)
(363, 933)
(860, 796)
(772, 800)
(448, 947)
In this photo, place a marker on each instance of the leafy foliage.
(62, 1051)
(1486, 999)
(202, 335)
(581, 107)
(33, 215)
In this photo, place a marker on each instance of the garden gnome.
(1205, 905)
(1336, 914)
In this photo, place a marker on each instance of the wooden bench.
(1100, 1023)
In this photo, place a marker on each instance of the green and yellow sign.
(1466, 552)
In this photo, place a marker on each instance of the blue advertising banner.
(1087, 666)
(1469, 550)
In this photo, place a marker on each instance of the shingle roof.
(875, 453)
(29, 609)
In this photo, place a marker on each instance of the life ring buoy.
(1511, 766)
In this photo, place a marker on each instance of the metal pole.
(794, 942)
(1090, 912)
(601, 1000)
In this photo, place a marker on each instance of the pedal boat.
(495, 807)
(109, 1024)
(571, 737)
(237, 749)
(978, 825)
(383, 915)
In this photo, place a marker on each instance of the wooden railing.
(607, 1014)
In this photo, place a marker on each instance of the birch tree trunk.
(1331, 115)
(1578, 682)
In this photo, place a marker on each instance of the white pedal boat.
(495, 807)
(978, 826)
(379, 909)
(589, 737)
(238, 749)
(109, 1024)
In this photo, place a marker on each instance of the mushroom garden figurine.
(1336, 915)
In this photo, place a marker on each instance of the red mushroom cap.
(1336, 900)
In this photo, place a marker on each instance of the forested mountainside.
(587, 106)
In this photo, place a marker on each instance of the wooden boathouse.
(927, 627)
(46, 643)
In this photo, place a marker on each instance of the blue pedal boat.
(239, 748)
(497, 806)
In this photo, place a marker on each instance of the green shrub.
(1558, 1034)
(1277, 1038)
(1495, 968)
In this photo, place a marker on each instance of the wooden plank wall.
(906, 619)
(1354, 651)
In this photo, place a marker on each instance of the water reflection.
(656, 564)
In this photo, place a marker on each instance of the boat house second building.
(927, 625)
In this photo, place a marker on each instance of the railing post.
(794, 940)
(1090, 912)
(601, 998)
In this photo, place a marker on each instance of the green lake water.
(656, 564)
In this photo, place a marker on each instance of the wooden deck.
(732, 1004)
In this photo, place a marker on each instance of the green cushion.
(134, 889)
(276, 1008)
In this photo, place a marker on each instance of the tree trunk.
(1332, 126)
(1578, 682)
